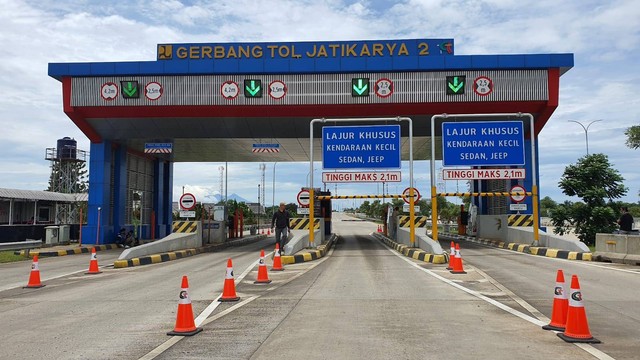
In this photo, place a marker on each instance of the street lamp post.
(586, 131)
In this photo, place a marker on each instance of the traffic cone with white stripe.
(185, 324)
(457, 265)
(577, 327)
(229, 290)
(277, 261)
(560, 305)
(452, 256)
(34, 277)
(263, 276)
(93, 264)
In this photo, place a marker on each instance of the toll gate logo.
(577, 296)
(165, 52)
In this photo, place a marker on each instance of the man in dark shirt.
(625, 221)
(281, 221)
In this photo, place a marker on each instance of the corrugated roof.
(41, 195)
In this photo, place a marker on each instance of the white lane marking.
(174, 340)
(15, 286)
(540, 316)
(591, 350)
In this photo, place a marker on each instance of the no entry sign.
(187, 201)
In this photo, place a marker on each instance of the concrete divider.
(423, 241)
(173, 242)
(618, 248)
(300, 240)
(524, 235)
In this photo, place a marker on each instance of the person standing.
(393, 223)
(625, 221)
(280, 221)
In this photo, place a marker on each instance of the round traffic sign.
(521, 193)
(109, 91)
(187, 201)
(229, 90)
(483, 86)
(277, 89)
(405, 195)
(153, 91)
(304, 198)
(384, 87)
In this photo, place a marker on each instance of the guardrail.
(21, 245)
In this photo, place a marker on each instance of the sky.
(604, 37)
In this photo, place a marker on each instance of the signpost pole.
(434, 202)
(412, 213)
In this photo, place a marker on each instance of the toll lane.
(610, 291)
(16, 274)
(121, 313)
(365, 301)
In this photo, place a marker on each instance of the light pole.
(586, 131)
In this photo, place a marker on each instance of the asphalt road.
(362, 301)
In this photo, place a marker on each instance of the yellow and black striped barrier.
(385, 196)
(185, 226)
(303, 224)
(154, 259)
(404, 221)
(486, 194)
(520, 220)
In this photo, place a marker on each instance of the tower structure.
(67, 170)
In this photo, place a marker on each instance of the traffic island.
(414, 253)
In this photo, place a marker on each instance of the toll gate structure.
(215, 101)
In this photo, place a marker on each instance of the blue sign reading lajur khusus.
(480, 143)
(361, 147)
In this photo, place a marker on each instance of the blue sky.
(604, 36)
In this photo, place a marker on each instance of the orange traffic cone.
(560, 305)
(229, 291)
(577, 327)
(457, 265)
(34, 277)
(277, 261)
(263, 276)
(93, 264)
(379, 228)
(452, 256)
(268, 232)
(185, 325)
(261, 231)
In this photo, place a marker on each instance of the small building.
(24, 214)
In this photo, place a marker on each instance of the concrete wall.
(493, 226)
(423, 241)
(618, 248)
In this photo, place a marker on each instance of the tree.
(547, 205)
(633, 137)
(594, 181)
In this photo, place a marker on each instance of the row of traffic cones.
(34, 276)
(185, 323)
(568, 314)
(455, 260)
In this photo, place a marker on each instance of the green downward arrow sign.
(253, 87)
(456, 84)
(130, 89)
(360, 87)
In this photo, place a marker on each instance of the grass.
(9, 256)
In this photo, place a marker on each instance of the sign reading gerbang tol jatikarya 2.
(361, 147)
(481, 143)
